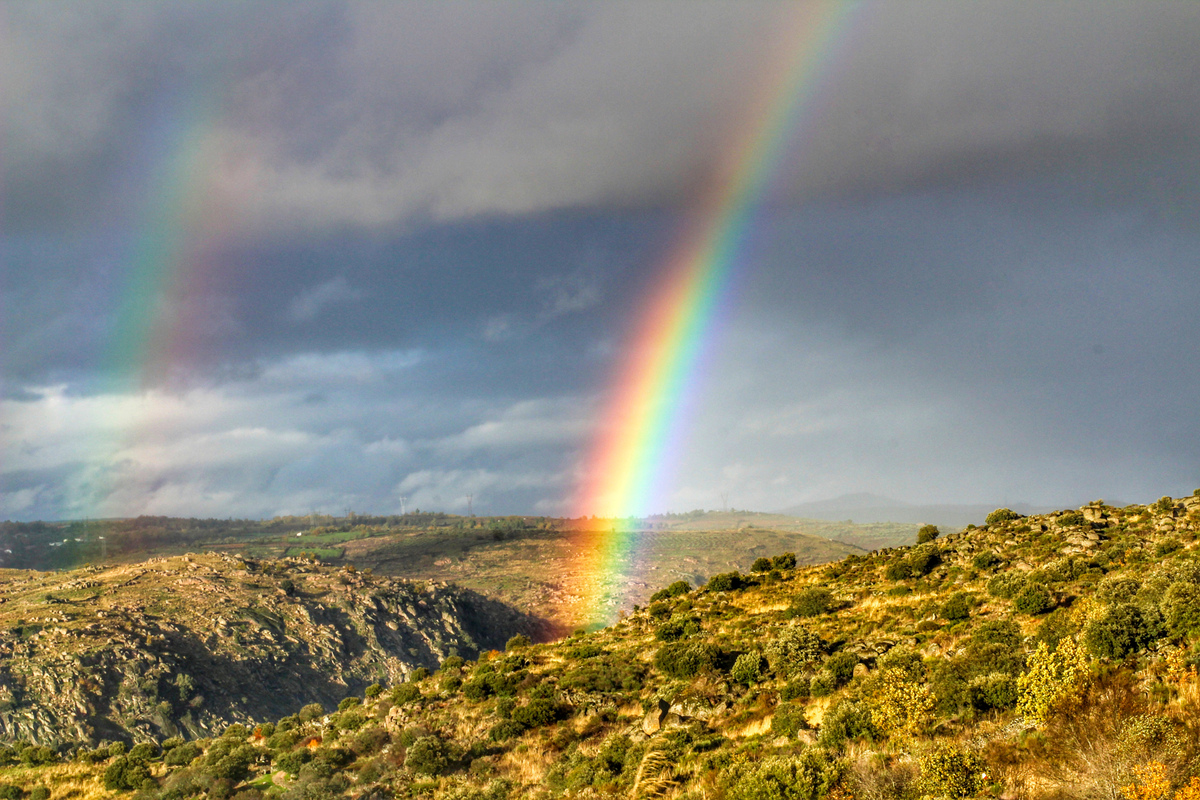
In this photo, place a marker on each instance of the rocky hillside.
(1049, 656)
(187, 645)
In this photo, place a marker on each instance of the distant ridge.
(865, 507)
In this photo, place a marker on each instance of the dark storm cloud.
(372, 113)
(974, 276)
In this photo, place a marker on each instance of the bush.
(405, 693)
(811, 602)
(311, 711)
(995, 690)
(923, 559)
(686, 659)
(125, 774)
(1006, 584)
(427, 756)
(747, 668)
(840, 667)
(788, 720)
(373, 691)
(182, 755)
(348, 703)
(419, 674)
(293, 761)
(761, 565)
(677, 628)
(947, 771)
(784, 561)
(1033, 600)
(898, 570)
(796, 689)
(1070, 519)
(845, 722)
(792, 649)
(725, 582)
(674, 590)
(518, 642)
(927, 533)
(1122, 631)
(535, 714)
(986, 560)
(958, 607)
(505, 729)
(812, 774)
(39, 792)
(1000, 516)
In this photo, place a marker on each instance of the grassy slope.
(621, 712)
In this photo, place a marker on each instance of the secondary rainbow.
(630, 463)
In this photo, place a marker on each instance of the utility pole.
(403, 507)
(470, 505)
(724, 501)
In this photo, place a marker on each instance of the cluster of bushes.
(918, 563)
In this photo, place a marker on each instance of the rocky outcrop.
(187, 645)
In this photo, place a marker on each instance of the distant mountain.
(865, 507)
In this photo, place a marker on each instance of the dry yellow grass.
(69, 781)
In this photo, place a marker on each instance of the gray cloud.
(329, 113)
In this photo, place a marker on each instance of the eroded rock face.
(187, 645)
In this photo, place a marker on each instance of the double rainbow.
(631, 460)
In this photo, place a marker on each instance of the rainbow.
(168, 256)
(631, 459)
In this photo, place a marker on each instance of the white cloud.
(312, 301)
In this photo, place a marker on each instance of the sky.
(265, 258)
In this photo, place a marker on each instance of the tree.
(1054, 681)
(927, 534)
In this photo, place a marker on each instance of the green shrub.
(1006, 584)
(747, 668)
(845, 722)
(293, 761)
(1033, 600)
(1124, 630)
(9, 791)
(686, 659)
(986, 560)
(792, 649)
(811, 775)
(39, 792)
(125, 774)
(677, 628)
(348, 703)
(311, 711)
(1166, 547)
(995, 690)
(1070, 519)
(518, 642)
(796, 689)
(840, 667)
(373, 691)
(1000, 516)
(811, 602)
(427, 756)
(1181, 608)
(182, 755)
(898, 570)
(927, 533)
(505, 729)
(784, 561)
(958, 607)
(725, 582)
(948, 771)
(405, 693)
(674, 590)
(419, 674)
(535, 713)
(788, 720)
(761, 565)
(924, 559)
